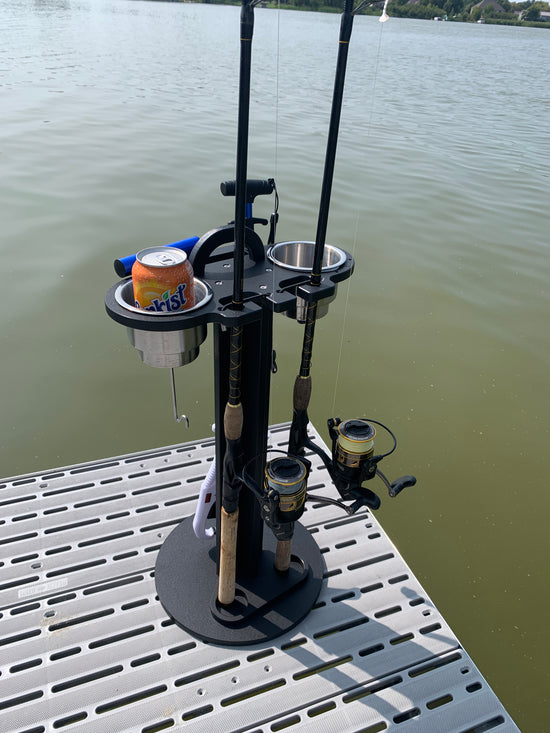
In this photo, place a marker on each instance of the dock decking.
(86, 646)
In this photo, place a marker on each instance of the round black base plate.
(266, 605)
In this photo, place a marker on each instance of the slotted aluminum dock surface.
(85, 644)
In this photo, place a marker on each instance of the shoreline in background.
(466, 11)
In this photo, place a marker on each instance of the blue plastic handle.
(123, 266)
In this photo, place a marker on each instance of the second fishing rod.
(302, 385)
(353, 459)
(233, 416)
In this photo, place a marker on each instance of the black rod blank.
(247, 29)
(302, 385)
(346, 25)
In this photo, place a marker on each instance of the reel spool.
(352, 450)
(285, 486)
(354, 444)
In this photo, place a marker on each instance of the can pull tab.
(178, 418)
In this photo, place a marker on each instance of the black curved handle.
(209, 242)
(254, 187)
(365, 497)
(401, 483)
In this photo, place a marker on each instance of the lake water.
(118, 123)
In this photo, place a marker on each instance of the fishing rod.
(302, 385)
(298, 438)
(233, 415)
(353, 460)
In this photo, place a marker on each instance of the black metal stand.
(267, 603)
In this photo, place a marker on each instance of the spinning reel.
(282, 500)
(284, 492)
(354, 462)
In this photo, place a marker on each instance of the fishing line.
(343, 329)
(383, 18)
(277, 89)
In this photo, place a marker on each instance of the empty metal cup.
(298, 257)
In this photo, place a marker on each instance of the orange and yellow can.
(163, 280)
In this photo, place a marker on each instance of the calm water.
(118, 123)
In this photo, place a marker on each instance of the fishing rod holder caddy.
(268, 602)
(239, 585)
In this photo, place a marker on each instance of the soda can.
(163, 280)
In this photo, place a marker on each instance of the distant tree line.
(512, 13)
(466, 10)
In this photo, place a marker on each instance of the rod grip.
(254, 187)
(233, 421)
(302, 392)
(283, 555)
(228, 556)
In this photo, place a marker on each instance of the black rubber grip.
(254, 187)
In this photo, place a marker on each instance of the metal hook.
(178, 418)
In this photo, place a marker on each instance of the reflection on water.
(118, 125)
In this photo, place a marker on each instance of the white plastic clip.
(207, 496)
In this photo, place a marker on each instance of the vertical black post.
(256, 378)
(257, 357)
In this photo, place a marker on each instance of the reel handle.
(397, 486)
(401, 483)
(368, 498)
